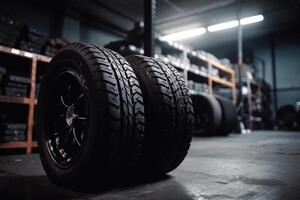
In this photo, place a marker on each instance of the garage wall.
(51, 24)
(74, 30)
(36, 17)
(96, 36)
(287, 63)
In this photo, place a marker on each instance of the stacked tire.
(208, 114)
(214, 115)
(229, 117)
(101, 116)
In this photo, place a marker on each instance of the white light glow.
(250, 20)
(184, 34)
(244, 90)
(216, 27)
(27, 54)
(222, 26)
(15, 51)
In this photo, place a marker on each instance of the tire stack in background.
(214, 115)
(288, 118)
(12, 126)
(12, 132)
(18, 35)
(31, 40)
(2, 74)
(267, 110)
(17, 86)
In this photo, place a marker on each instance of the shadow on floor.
(39, 187)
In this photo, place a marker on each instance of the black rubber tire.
(229, 116)
(286, 117)
(169, 115)
(115, 119)
(208, 115)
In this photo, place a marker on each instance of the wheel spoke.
(63, 102)
(69, 91)
(78, 98)
(81, 118)
(76, 139)
(65, 134)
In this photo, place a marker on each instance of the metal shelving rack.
(217, 80)
(29, 144)
(254, 93)
(208, 78)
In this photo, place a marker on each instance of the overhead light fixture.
(223, 26)
(216, 27)
(250, 20)
(184, 34)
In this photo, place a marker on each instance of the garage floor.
(262, 165)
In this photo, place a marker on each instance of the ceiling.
(178, 15)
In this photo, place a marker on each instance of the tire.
(286, 117)
(208, 115)
(229, 117)
(169, 115)
(112, 131)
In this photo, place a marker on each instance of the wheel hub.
(70, 115)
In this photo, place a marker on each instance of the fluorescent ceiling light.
(184, 34)
(217, 27)
(250, 20)
(222, 26)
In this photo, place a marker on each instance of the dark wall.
(33, 15)
(56, 23)
(287, 65)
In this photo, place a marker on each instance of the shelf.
(198, 72)
(215, 64)
(43, 58)
(221, 67)
(11, 145)
(199, 57)
(17, 144)
(22, 53)
(222, 82)
(16, 52)
(11, 99)
(171, 46)
(180, 66)
(33, 58)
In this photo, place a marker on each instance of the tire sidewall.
(207, 104)
(72, 60)
(228, 116)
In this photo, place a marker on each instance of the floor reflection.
(31, 187)
(39, 187)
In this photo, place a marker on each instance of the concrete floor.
(262, 165)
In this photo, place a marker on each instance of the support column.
(149, 18)
(274, 76)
